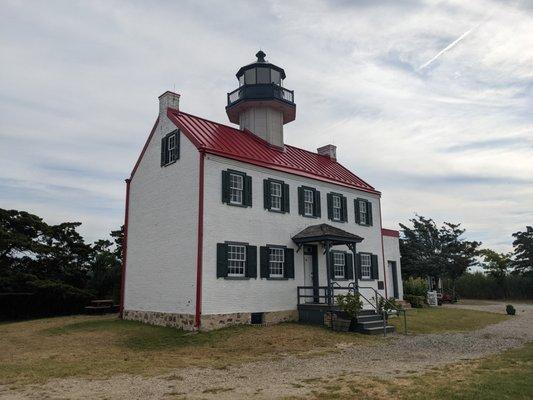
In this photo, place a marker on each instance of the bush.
(415, 301)
(510, 310)
(415, 287)
(480, 286)
(350, 303)
(42, 298)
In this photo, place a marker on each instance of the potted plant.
(350, 305)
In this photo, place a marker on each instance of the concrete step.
(376, 330)
(369, 318)
(371, 324)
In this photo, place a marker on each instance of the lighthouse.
(261, 104)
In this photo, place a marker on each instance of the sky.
(431, 102)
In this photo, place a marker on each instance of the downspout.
(198, 315)
(383, 250)
(124, 250)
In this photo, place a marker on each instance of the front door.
(311, 273)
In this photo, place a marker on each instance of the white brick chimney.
(167, 100)
(328, 150)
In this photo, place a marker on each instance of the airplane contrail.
(451, 45)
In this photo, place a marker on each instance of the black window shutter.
(369, 212)
(375, 274)
(330, 206)
(348, 266)
(247, 190)
(301, 200)
(358, 266)
(225, 187)
(317, 210)
(222, 260)
(344, 209)
(266, 194)
(251, 261)
(289, 263)
(356, 211)
(286, 198)
(264, 258)
(163, 151)
(331, 267)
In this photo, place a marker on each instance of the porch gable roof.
(325, 233)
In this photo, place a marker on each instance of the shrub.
(350, 303)
(415, 287)
(415, 301)
(510, 310)
(42, 298)
(480, 286)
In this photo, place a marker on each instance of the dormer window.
(170, 148)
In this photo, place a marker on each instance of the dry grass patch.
(505, 376)
(96, 346)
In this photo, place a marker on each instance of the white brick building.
(224, 224)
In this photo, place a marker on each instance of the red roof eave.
(390, 232)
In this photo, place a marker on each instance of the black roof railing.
(261, 91)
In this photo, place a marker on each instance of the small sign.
(432, 298)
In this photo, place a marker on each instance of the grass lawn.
(100, 346)
(437, 319)
(503, 377)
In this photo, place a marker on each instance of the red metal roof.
(390, 232)
(242, 145)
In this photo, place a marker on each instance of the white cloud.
(451, 140)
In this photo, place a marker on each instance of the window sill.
(340, 279)
(277, 211)
(367, 225)
(170, 163)
(237, 205)
(309, 216)
(338, 220)
(367, 279)
(277, 279)
(237, 278)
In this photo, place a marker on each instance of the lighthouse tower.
(261, 104)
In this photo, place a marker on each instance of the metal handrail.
(398, 310)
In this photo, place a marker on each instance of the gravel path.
(399, 355)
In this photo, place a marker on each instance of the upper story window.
(236, 260)
(236, 188)
(337, 207)
(363, 212)
(170, 148)
(308, 202)
(276, 195)
(339, 266)
(236, 185)
(277, 262)
(366, 266)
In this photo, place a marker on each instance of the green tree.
(497, 265)
(523, 251)
(427, 249)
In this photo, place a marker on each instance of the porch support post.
(352, 247)
(327, 245)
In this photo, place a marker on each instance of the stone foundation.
(209, 322)
(180, 321)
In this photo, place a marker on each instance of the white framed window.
(337, 207)
(275, 196)
(236, 185)
(366, 266)
(236, 260)
(172, 153)
(277, 262)
(339, 264)
(308, 202)
(363, 212)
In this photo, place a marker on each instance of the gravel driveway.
(399, 355)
